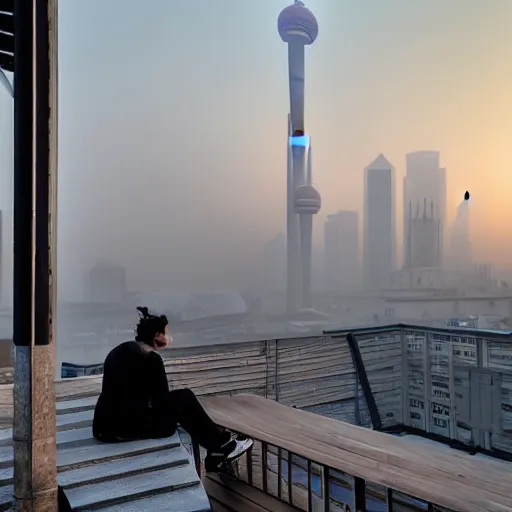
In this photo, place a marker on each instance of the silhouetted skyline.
(171, 123)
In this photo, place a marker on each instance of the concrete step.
(101, 456)
(76, 405)
(94, 451)
(182, 500)
(128, 488)
(152, 474)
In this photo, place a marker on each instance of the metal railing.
(456, 383)
(453, 384)
(448, 383)
(313, 486)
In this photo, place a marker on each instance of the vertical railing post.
(276, 375)
(35, 471)
(266, 368)
(451, 389)
(406, 418)
(327, 489)
(357, 409)
(427, 385)
(360, 494)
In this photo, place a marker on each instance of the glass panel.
(376, 498)
(272, 470)
(299, 481)
(341, 491)
(284, 476)
(317, 486)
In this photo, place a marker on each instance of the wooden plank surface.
(305, 372)
(454, 480)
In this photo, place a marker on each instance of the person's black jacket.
(132, 403)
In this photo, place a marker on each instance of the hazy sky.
(173, 124)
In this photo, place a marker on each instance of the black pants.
(183, 408)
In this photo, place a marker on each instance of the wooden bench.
(448, 478)
(154, 474)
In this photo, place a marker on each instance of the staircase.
(154, 474)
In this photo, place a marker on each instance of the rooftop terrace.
(452, 386)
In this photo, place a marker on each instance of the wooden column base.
(35, 462)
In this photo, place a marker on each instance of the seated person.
(135, 401)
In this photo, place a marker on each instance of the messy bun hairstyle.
(149, 326)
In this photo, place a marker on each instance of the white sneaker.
(239, 447)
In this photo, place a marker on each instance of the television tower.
(298, 27)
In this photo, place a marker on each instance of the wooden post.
(35, 468)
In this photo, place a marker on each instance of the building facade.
(424, 238)
(379, 223)
(425, 182)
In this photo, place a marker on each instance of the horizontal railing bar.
(455, 331)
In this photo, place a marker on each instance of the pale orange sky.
(173, 124)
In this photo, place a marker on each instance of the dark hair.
(149, 326)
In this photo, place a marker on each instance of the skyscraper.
(341, 252)
(298, 27)
(379, 222)
(424, 182)
(424, 237)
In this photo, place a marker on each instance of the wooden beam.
(35, 469)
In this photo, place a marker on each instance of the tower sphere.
(297, 22)
(307, 200)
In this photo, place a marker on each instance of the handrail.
(327, 447)
(456, 331)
